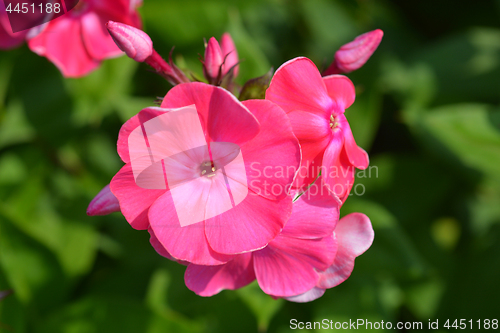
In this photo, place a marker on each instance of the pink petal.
(308, 296)
(186, 243)
(37, 45)
(287, 266)
(314, 214)
(345, 176)
(313, 133)
(170, 147)
(131, 124)
(230, 54)
(96, 37)
(340, 89)
(223, 117)
(308, 172)
(336, 178)
(210, 280)
(249, 226)
(155, 243)
(297, 85)
(354, 235)
(357, 156)
(161, 249)
(104, 203)
(134, 200)
(201, 198)
(61, 42)
(273, 156)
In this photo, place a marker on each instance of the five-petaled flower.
(264, 136)
(316, 106)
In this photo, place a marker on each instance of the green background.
(427, 111)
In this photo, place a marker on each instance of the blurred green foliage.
(427, 111)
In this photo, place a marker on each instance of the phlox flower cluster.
(195, 167)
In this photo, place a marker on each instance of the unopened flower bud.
(104, 203)
(213, 60)
(134, 42)
(355, 54)
(230, 55)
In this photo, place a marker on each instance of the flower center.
(333, 122)
(208, 169)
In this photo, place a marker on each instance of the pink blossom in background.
(8, 39)
(315, 106)
(78, 41)
(355, 54)
(262, 132)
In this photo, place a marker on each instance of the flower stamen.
(208, 169)
(333, 122)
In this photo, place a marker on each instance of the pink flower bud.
(230, 54)
(213, 59)
(104, 203)
(355, 54)
(134, 42)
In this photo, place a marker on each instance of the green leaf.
(329, 26)
(98, 94)
(424, 298)
(484, 207)
(32, 211)
(29, 269)
(364, 116)
(166, 319)
(467, 65)
(392, 248)
(130, 106)
(98, 313)
(415, 85)
(171, 27)
(12, 313)
(14, 127)
(470, 131)
(263, 306)
(253, 62)
(12, 169)
(256, 88)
